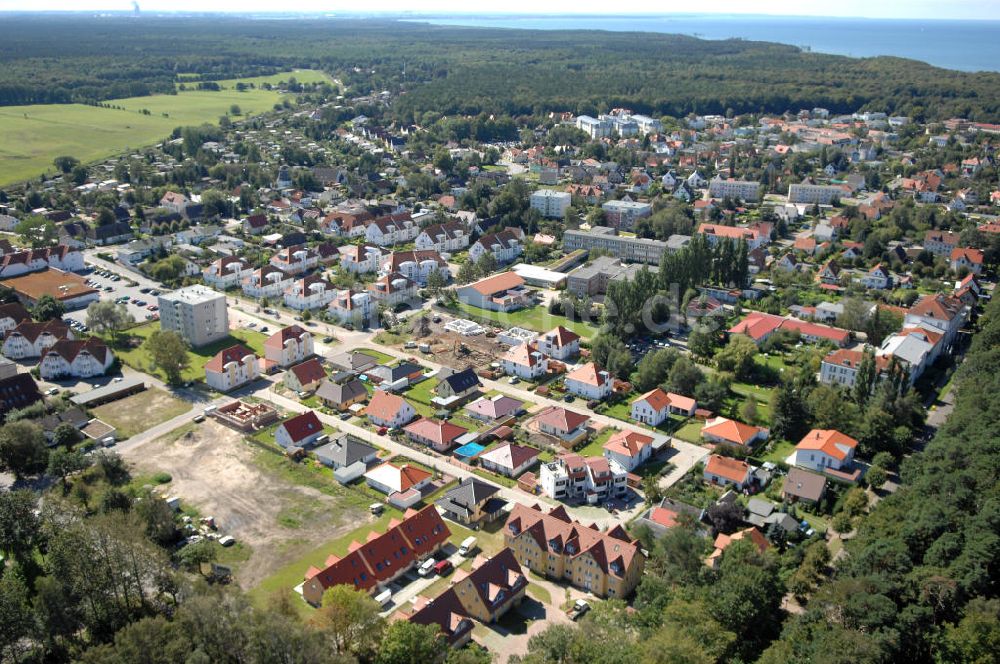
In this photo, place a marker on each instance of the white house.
(416, 265)
(505, 245)
(268, 281)
(559, 343)
(447, 237)
(726, 471)
(356, 308)
(80, 359)
(629, 449)
(225, 272)
(389, 410)
(655, 406)
(551, 203)
(877, 278)
(30, 339)
(509, 459)
(295, 260)
(394, 229)
(288, 346)
(824, 448)
(589, 382)
(392, 289)
(231, 368)
(360, 258)
(299, 431)
(573, 477)
(525, 362)
(312, 292)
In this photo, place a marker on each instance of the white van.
(384, 598)
(468, 546)
(427, 567)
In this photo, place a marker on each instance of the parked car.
(579, 608)
(426, 567)
(443, 567)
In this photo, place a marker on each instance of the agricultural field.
(32, 136)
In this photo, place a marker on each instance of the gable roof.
(69, 349)
(31, 330)
(588, 374)
(471, 492)
(384, 405)
(278, 339)
(828, 441)
(498, 283)
(561, 419)
(510, 455)
(560, 337)
(803, 484)
(628, 443)
(729, 468)
(302, 426)
(495, 407)
(223, 357)
(14, 310)
(460, 381)
(730, 430)
(341, 392)
(309, 371)
(398, 478)
(18, 391)
(437, 431)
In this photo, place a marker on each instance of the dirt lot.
(446, 345)
(215, 471)
(141, 411)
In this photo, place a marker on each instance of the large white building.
(231, 368)
(810, 194)
(551, 203)
(573, 477)
(745, 190)
(593, 127)
(623, 214)
(197, 313)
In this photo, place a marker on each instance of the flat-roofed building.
(197, 313)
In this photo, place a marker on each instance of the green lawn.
(596, 446)
(536, 318)
(780, 450)
(139, 359)
(136, 413)
(621, 410)
(32, 136)
(690, 432)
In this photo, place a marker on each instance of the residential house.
(389, 410)
(448, 237)
(360, 258)
(559, 343)
(438, 434)
(76, 358)
(591, 479)
(174, 202)
(760, 326)
(509, 459)
(877, 278)
(655, 406)
(590, 382)
(472, 503)
(344, 451)
(341, 396)
(722, 541)
(391, 230)
(825, 448)
(829, 274)
(608, 564)
(231, 368)
(502, 292)
(255, 224)
(381, 558)
(352, 307)
(938, 312)
(391, 479)
(753, 236)
(305, 376)
(353, 361)
(18, 391)
(457, 386)
(12, 314)
(31, 339)
(416, 265)
(226, 272)
(803, 486)
(392, 290)
(726, 471)
(492, 409)
(299, 431)
(295, 260)
(629, 449)
(267, 281)
(310, 292)
(505, 246)
(566, 425)
(724, 431)
(840, 367)
(941, 243)
(967, 258)
(288, 346)
(524, 362)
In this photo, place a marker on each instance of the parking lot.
(111, 289)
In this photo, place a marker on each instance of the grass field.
(139, 359)
(141, 411)
(32, 136)
(536, 318)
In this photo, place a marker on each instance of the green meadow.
(32, 136)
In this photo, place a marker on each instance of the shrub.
(162, 478)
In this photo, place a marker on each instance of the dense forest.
(457, 70)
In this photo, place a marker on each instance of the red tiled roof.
(436, 431)
(498, 283)
(731, 430)
(628, 443)
(829, 441)
(384, 406)
(731, 469)
(278, 339)
(309, 371)
(223, 357)
(302, 426)
(562, 419)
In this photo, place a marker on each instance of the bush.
(162, 478)
(842, 523)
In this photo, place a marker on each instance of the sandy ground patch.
(213, 469)
(139, 412)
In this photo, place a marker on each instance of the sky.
(928, 9)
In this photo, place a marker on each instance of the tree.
(748, 411)
(19, 525)
(235, 110)
(108, 317)
(37, 232)
(725, 517)
(17, 622)
(79, 174)
(685, 376)
(864, 381)
(64, 462)
(435, 282)
(48, 308)
(738, 357)
(701, 342)
(105, 217)
(472, 653)
(350, 620)
(653, 368)
(876, 477)
(193, 555)
(65, 163)
(22, 448)
(65, 435)
(409, 643)
(788, 413)
(168, 352)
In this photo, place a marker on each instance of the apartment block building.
(810, 194)
(551, 203)
(745, 190)
(631, 249)
(197, 313)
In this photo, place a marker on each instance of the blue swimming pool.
(469, 450)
